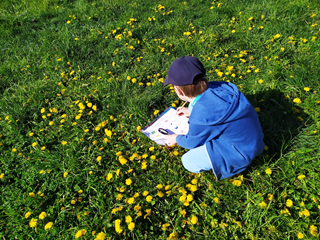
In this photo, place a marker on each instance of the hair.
(198, 86)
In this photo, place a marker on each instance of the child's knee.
(187, 163)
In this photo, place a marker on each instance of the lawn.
(79, 79)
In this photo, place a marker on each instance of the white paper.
(169, 121)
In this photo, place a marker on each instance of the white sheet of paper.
(169, 121)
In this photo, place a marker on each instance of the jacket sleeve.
(197, 136)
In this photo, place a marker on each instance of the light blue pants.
(196, 160)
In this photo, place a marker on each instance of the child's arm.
(197, 136)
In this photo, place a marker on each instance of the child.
(224, 130)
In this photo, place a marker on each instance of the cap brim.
(168, 80)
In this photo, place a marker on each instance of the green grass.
(44, 68)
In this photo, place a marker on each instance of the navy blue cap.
(183, 71)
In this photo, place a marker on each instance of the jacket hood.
(225, 100)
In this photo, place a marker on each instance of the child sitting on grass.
(224, 130)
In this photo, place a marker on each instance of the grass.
(78, 78)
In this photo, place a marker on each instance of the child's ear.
(179, 91)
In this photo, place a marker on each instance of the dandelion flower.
(183, 213)
(128, 181)
(289, 203)
(33, 222)
(300, 235)
(48, 225)
(80, 233)
(99, 158)
(300, 177)
(100, 236)
(130, 200)
(42, 215)
(268, 171)
(65, 174)
(160, 194)
(193, 188)
(27, 214)
(297, 100)
(137, 208)
(173, 235)
(313, 230)
(263, 205)
(145, 193)
(194, 219)
(128, 219)
(131, 226)
(306, 212)
(109, 176)
(149, 198)
(270, 197)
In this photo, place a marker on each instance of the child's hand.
(182, 111)
(171, 139)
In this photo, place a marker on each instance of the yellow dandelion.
(109, 176)
(145, 193)
(42, 215)
(268, 171)
(33, 222)
(297, 100)
(194, 219)
(128, 219)
(48, 225)
(131, 226)
(128, 181)
(263, 205)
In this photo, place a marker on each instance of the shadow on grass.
(281, 120)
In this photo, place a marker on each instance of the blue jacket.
(225, 121)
